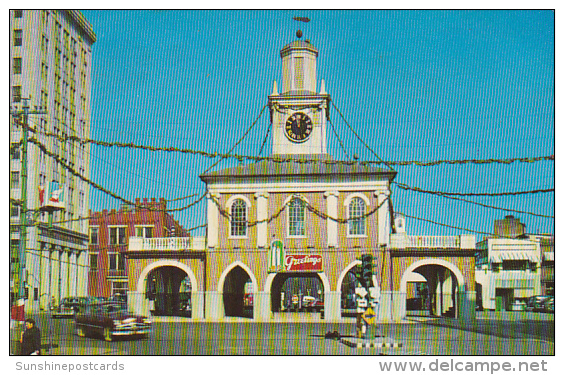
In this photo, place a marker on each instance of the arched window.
(239, 218)
(296, 217)
(357, 220)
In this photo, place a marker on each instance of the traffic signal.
(366, 270)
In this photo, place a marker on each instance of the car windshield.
(115, 307)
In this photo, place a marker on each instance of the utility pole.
(23, 116)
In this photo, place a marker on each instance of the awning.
(499, 257)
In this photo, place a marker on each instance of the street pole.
(23, 115)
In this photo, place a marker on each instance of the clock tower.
(298, 113)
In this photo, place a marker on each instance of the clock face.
(298, 127)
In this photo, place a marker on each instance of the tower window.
(18, 13)
(299, 73)
(296, 218)
(357, 221)
(239, 218)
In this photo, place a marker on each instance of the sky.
(415, 85)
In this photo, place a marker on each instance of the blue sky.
(415, 85)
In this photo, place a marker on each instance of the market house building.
(291, 232)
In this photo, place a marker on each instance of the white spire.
(322, 89)
(274, 89)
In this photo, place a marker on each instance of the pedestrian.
(30, 339)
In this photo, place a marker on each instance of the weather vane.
(300, 19)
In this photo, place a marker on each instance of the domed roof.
(297, 45)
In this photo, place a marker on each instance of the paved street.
(517, 333)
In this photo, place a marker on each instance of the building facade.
(287, 232)
(508, 267)
(50, 65)
(112, 233)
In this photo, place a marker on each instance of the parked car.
(312, 303)
(110, 319)
(70, 306)
(548, 305)
(535, 303)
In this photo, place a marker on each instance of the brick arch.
(432, 262)
(141, 282)
(228, 269)
(347, 269)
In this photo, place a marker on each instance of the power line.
(101, 188)
(239, 141)
(339, 139)
(420, 163)
(476, 203)
(406, 187)
(359, 138)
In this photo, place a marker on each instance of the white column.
(383, 217)
(262, 215)
(261, 309)
(332, 212)
(198, 305)
(332, 306)
(213, 219)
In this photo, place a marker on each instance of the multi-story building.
(111, 232)
(50, 69)
(508, 267)
(547, 265)
(287, 232)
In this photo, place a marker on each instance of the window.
(145, 232)
(93, 235)
(299, 73)
(117, 262)
(93, 262)
(16, 94)
(17, 65)
(296, 217)
(18, 13)
(357, 220)
(14, 180)
(117, 235)
(239, 218)
(14, 211)
(16, 154)
(119, 290)
(515, 265)
(17, 37)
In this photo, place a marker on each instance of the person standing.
(30, 339)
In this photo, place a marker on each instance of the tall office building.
(50, 68)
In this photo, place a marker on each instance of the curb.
(377, 345)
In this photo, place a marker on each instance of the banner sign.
(56, 195)
(303, 262)
(276, 256)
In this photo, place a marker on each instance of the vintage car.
(110, 320)
(536, 303)
(70, 306)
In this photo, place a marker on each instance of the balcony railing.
(166, 243)
(402, 241)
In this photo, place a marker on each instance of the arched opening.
(417, 294)
(169, 291)
(297, 292)
(431, 290)
(348, 295)
(238, 293)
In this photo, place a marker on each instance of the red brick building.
(109, 233)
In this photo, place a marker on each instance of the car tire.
(107, 334)
(80, 331)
